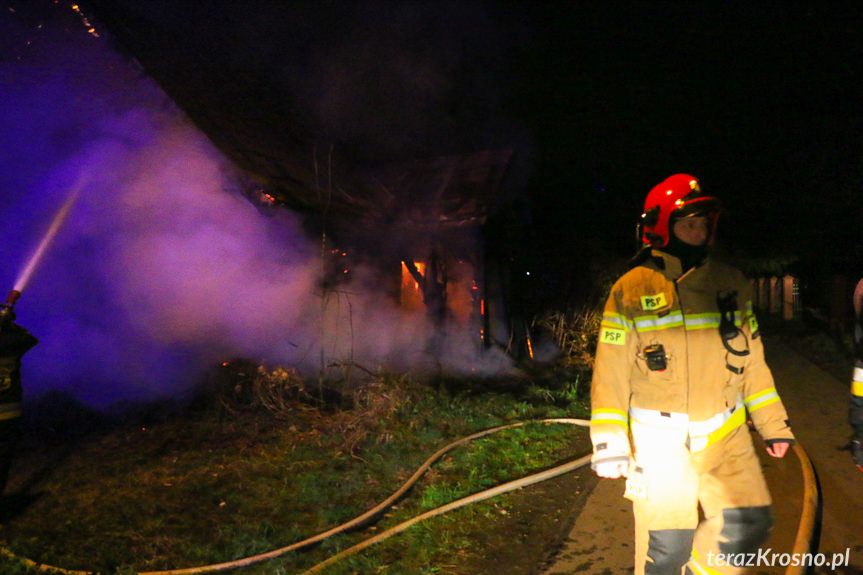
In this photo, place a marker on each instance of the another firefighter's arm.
(610, 391)
(855, 406)
(760, 396)
(855, 401)
(855, 414)
(15, 340)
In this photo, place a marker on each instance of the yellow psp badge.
(612, 335)
(653, 302)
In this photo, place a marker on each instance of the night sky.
(599, 100)
(762, 102)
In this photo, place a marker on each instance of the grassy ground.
(223, 480)
(260, 462)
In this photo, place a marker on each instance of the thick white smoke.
(162, 268)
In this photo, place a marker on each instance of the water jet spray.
(6, 308)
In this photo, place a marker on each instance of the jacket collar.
(670, 265)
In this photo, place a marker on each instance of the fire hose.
(805, 541)
(809, 528)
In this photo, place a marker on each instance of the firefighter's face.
(692, 230)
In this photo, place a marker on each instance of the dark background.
(759, 100)
(599, 101)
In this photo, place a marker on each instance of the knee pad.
(668, 550)
(744, 529)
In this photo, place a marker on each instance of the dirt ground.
(578, 524)
(537, 522)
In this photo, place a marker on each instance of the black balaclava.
(689, 256)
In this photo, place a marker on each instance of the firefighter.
(855, 408)
(15, 341)
(679, 364)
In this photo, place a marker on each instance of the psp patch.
(612, 335)
(653, 302)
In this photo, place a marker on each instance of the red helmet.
(678, 196)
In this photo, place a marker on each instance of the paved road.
(600, 541)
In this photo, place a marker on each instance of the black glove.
(7, 316)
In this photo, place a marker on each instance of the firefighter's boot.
(857, 452)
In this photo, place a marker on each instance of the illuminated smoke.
(162, 268)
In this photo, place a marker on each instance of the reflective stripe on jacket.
(699, 434)
(704, 386)
(857, 382)
(10, 411)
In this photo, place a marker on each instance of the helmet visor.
(696, 204)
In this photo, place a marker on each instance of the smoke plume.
(162, 268)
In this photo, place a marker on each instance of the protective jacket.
(661, 362)
(15, 341)
(679, 364)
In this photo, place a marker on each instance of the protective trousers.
(10, 434)
(666, 486)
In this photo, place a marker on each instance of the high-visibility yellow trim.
(611, 319)
(610, 416)
(654, 322)
(607, 422)
(761, 399)
(765, 403)
(857, 388)
(673, 319)
(702, 434)
(702, 321)
(761, 393)
(677, 319)
(698, 567)
(10, 411)
(737, 419)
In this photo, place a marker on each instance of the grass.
(227, 479)
(261, 462)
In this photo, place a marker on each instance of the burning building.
(374, 188)
(389, 193)
(437, 241)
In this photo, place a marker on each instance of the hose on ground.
(365, 517)
(809, 528)
(360, 520)
(806, 539)
(476, 497)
